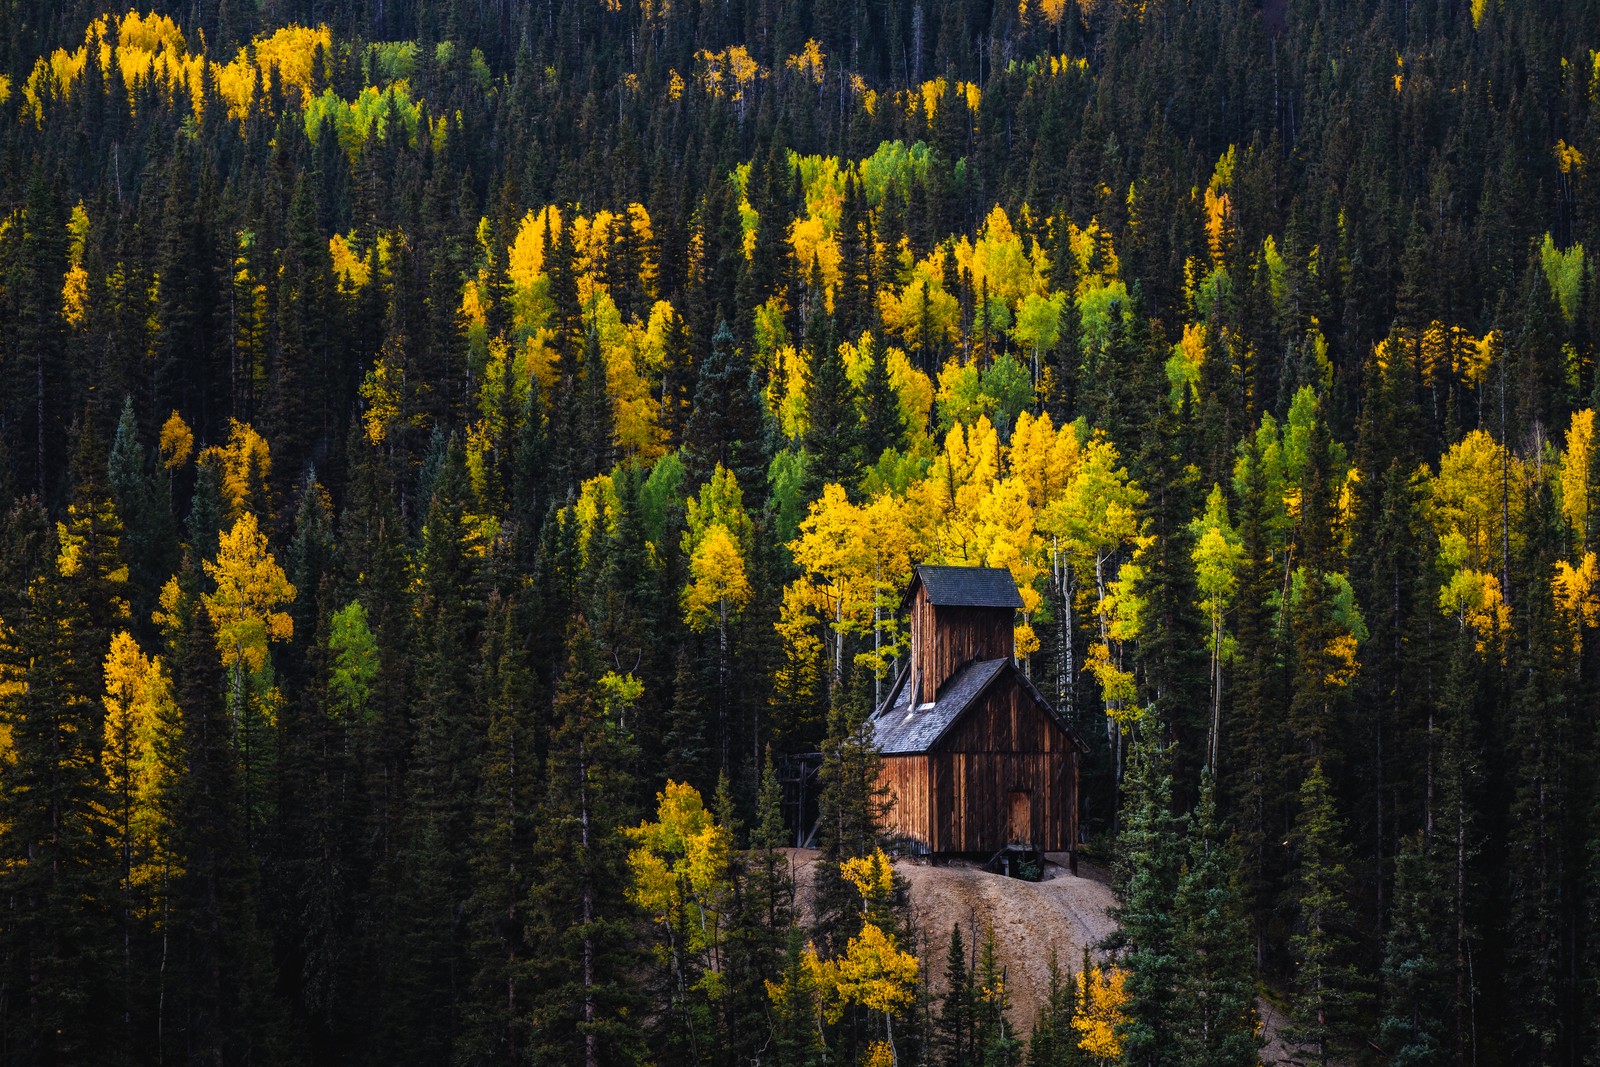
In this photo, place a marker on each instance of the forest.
(452, 452)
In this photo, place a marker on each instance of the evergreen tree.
(1330, 994)
(576, 914)
(1148, 929)
(1215, 1017)
(953, 1028)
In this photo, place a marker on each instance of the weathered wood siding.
(944, 639)
(905, 782)
(1005, 745)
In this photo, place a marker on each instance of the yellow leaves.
(879, 1054)
(1183, 366)
(680, 875)
(244, 462)
(674, 86)
(289, 52)
(873, 876)
(1478, 8)
(1568, 158)
(683, 841)
(1000, 264)
(717, 584)
(5, 88)
(729, 74)
(875, 973)
(138, 694)
(1577, 595)
(1468, 508)
(1577, 472)
(1475, 598)
(809, 63)
(813, 243)
(75, 285)
(382, 394)
(250, 588)
(352, 270)
(1102, 996)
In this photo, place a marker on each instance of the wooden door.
(1019, 828)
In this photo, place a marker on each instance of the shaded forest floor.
(1029, 918)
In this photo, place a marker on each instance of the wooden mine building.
(975, 760)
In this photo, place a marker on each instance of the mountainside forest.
(453, 451)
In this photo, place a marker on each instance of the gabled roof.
(901, 730)
(968, 587)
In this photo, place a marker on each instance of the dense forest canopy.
(452, 453)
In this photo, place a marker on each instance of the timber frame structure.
(975, 759)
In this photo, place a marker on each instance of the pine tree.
(1215, 1018)
(218, 1005)
(496, 1012)
(1053, 1042)
(1330, 992)
(1416, 959)
(952, 1029)
(1148, 930)
(57, 870)
(994, 1042)
(576, 914)
(726, 423)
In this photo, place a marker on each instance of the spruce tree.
(952, 1028)
(1329, 991)
(1149, 861)
(1214, 1019)
(585, 961)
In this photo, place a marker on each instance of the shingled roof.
(899, 729)
(968, 587)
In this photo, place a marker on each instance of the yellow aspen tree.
(245, 463)
(250, 589)
(1102, 993)
(681, 879)
(1578, 474)
(138, 695)
(1577, 597)
(75, 285)
(1217, 553)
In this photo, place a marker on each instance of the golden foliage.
(250, 587)
(75, 285)
(1577, 473)
(717, 585)
(680, 877)
(352, 270)
(245, 463)
(138, 695)
(809, 63)
(1577, 595)
(1102, 995)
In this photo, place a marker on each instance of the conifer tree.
(1214, 1011)
(1053, 1041)
(57, 870)
(576, 914)
(1330, 993)
(1148, 930)
(953, 1027)
(218, 1004)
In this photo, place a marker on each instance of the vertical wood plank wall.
(945, 639)
(957, 797)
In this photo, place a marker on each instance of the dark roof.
(898, 728)
(969, 587)
(901, 730)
